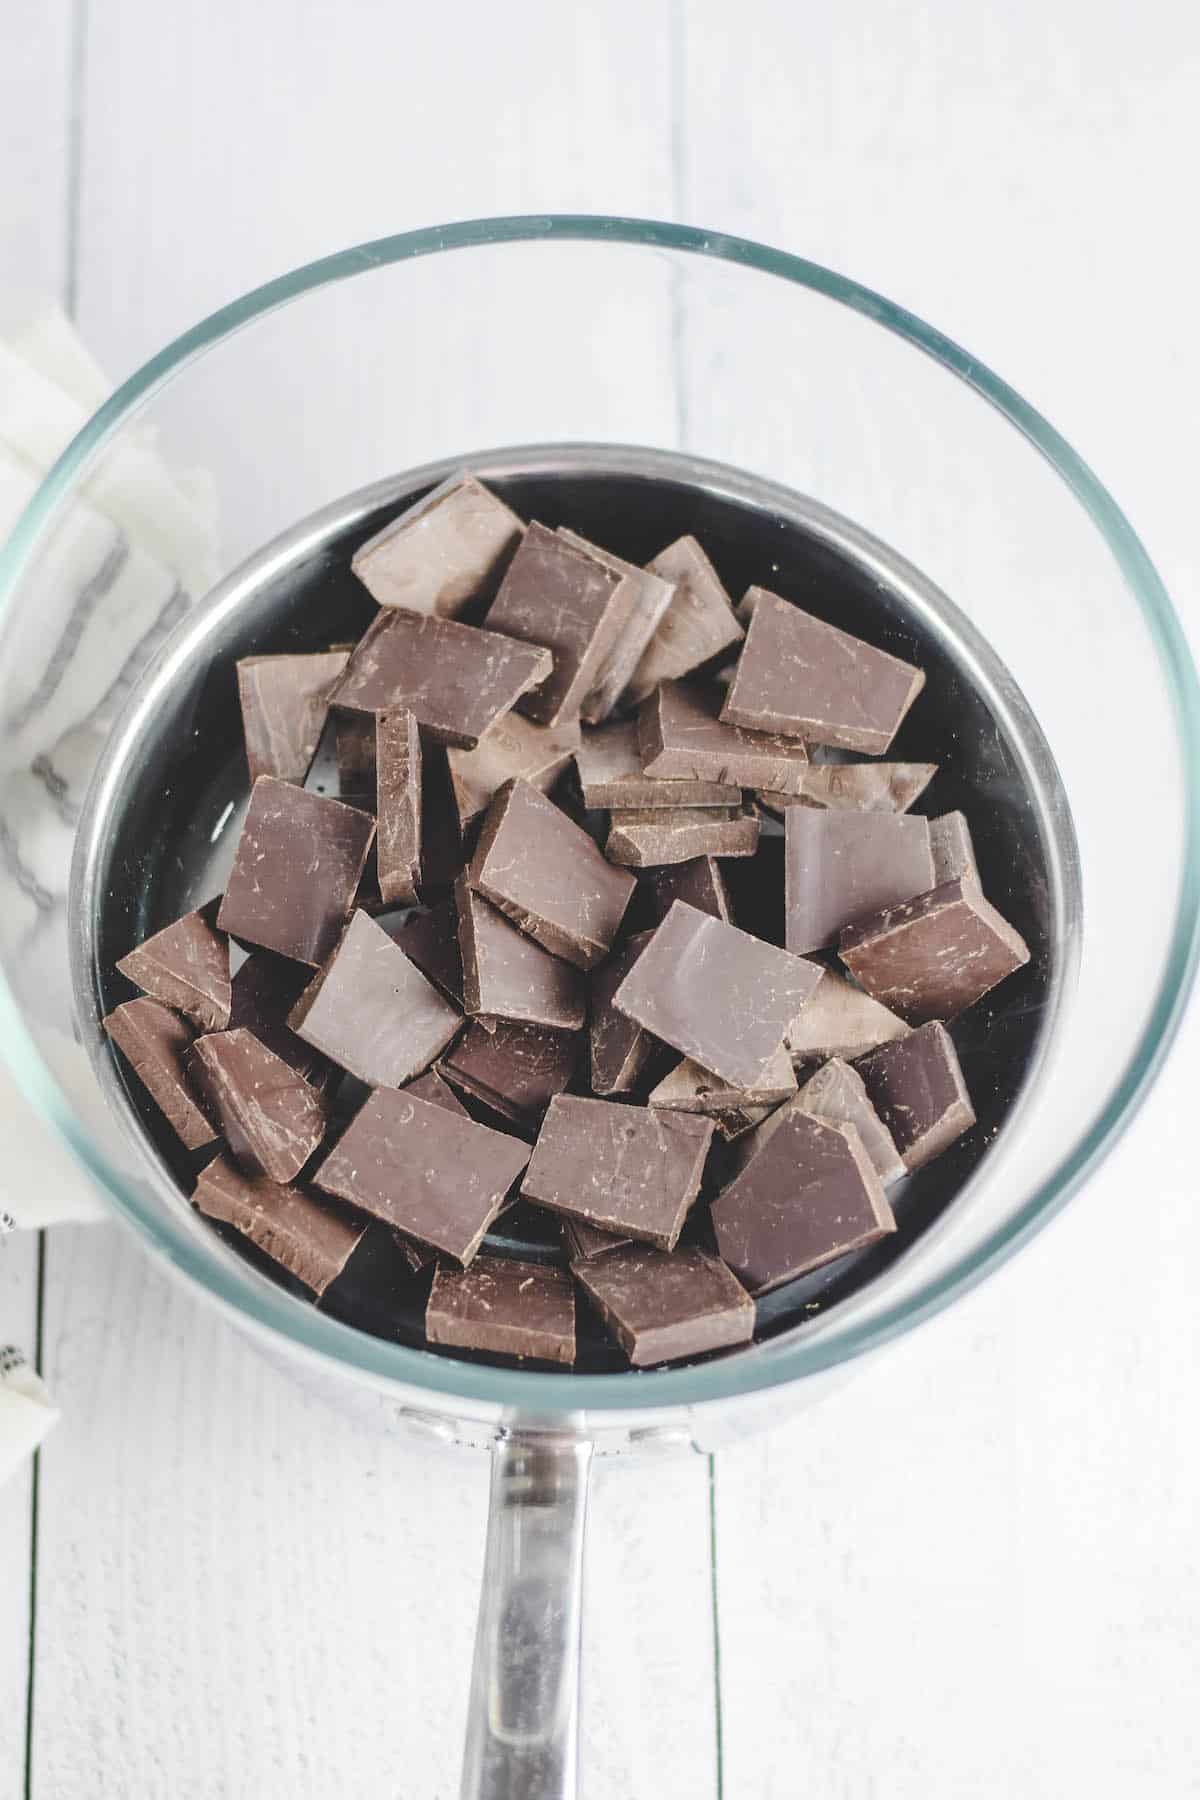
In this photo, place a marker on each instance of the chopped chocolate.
(952, 849)
(700, 883)
(620, 1048)
(840, 1020)
(506, 975)
(263, 993)
(310, 1239)
(285, 700)
(443, 851)
(649, 596)
(622, 1168)
(436, 1177)
(457, 679)
(697, 625)
(514, 1069)
(430, 1086)
(354, 744)
(837, 1092)
(398, 806)
(610, 773)
(933, 956)
(513, 749)
(649, 838)
(917, 1088)
(661, 1308)
(689, 1088)
(430, 940)
(186, 966)
(270, 1117)
(295, 871)
(154, 1042)
(842, 866)
(512, 1308)
(582, 1242)
(547, 875)
(681, 736)
(441, 552)
(857, 787)
(807, 679)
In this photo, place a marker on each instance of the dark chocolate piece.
(295, 872)
(610, 774)
(620, 1048)
(263, 993)
(547, 875)
(649, 596)
(310, 1239)
(436, 1177)
(647, 839)
(430, 940)
(186, 966)
(682, 737)
(457, 679)
(430, 1086)
(689, 1088)
(506, 975)
(917, 1088)
(271, 1118)
(285, 700)
(840, 1020)
(842, 866)
(398, 806)
(155, 1042)
(952, 849)
(700, 883)
(512, 1308)
(442, 551)
(622, 1168)
(582, 1242)
(837, 1091)
(514, 1069)
(513, 749)
(661, 1308)
(933, 956)
(857, 787)
(697, 625)
(354, 743)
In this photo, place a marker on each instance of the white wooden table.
(975, 1575)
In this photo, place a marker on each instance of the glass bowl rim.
(352, 1351)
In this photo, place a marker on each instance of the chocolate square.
(309, 1238)
(398, 806)
(270, 1117)
(644, 839)
(698, 624)
(441, 552)
(843, 866)
(935, 955)
(185, 966)
(511, 1308)
(916, 1086)
(507, 975)
(155, 1042)
(662, 1307)
(682, 736)
(285, 701)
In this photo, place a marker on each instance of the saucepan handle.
(522, 1729)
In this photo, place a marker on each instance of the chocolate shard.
(371, 1011)
(647, 839)
(916, 1086)
(547, 875)
(952, 849)
(270, 1117)
(857, 787)
(574, 606)
(441, 552)
(430, 940)
(843, 866)
(155, 1042)
(806, 1194)
(398, 806)
(295, 871)
(285, 700)
(682, 736)
(619, 1048)
(506, 975)
(935, 955)
(457, 679)
(581, 1242)
(309, 1238)
(435, 1177)
(837, 1091)
(263, 993)
(648, 597)
(185, 966)
(516, 1070)
(697, 625)
(661, 1308)
(804, 678)
(430, 1086)
(700, 883)
(623, 1169)
(716, 994)
(689, 1088)
(511, 1308)
(513, 749)
(610, 769)
(840, 1020)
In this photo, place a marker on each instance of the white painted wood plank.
(18, 1322)
(35, 54)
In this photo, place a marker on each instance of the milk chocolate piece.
(917, 1088)
(857, 787)
(430, 1086)
(562, 598)
(807, 1193)
(371, 1011)
(647, 597)
(443, 852)
(624, 1169)
(661, 1308)
(514, 1069)
(398, 806)
(935, 955)
(512, 1308)
(843, 866)
(952, 849)
(271, 1118)
(311, 1240)
(186, 966)
(689, 1088)
(610, 774)
(807, 679)
(582, 1242)
(441, 552)
(837, 1092)
(716, 994)
(646, 839)
(700, 883)
(513, 749)
(457, 679)
(547, 875)
(697, 625)
(263, 993)
(155, 1041)
(681, 736)
(430, 940)
(840, 1020)
(354, 744)
(620, 1048)
(285, 700)
(295, 871)
(506, 975)
(436, 1177)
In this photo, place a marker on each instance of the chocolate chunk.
(431, 1087)
(807, 679)
(917, 1088)
(647, 597)
(270, 1117)
(610, 774)
(443, 852)
(513, 749)
(646, 839)
(295, 871)
(857, 787)
(441, 552)
(582, 1242)
(840, 1020)
(681, 737)
(263, 993)
(620, 1048)
(716, 994)
(933, 956)
(689, 1088)
(952, 849)
(564, 599)
(354, 743)
(311, 1240)
(430, 940)
(457, 679)
(624, 1169)
(371, 1011)
(285, 700)
(837, 1092)
(514, 1069)
(186, 966)
(398, 805)
(661, 1308)
(842, 866)
(806, 1194)
(700, 883)
(436, 1177)
(547, 875)
(697, 625)
(154, 1042)
(512, 1308)
(506, 975)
